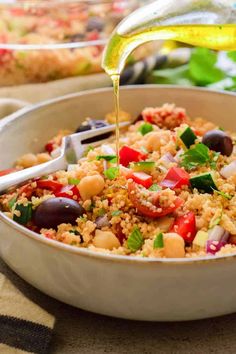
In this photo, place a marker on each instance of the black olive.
(95, 23)
(93, 124)
(218, 141)
(55, 211)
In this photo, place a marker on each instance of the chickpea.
(155, 140)
(173, 245)
(43, 157)
(105, 239)
(27, 160)
(90, 186)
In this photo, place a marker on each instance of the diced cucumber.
(25, 213)
(200, 239)
(143, 166)
(204, 182)
(188, 137)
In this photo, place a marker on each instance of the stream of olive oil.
(217, 37)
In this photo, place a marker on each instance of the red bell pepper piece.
(128, 154)
(49, 184)
(142, 178)
(185, 226)
(176, 177)
(27, 190)
(70, 191)
(134, 196)
(7, 171)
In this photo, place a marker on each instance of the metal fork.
(72, 150)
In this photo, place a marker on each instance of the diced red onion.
(217, 238)
(102, 221)
(216, 233)
(213, 246)
(229, 170)
(107, 150)
(177, 156)
(167, 159)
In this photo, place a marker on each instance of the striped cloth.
(24, 326)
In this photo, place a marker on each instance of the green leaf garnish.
(101, 212)
(214, 159)
(145, 128)
(89, 148)
(135, 240)
(112, 172)
(116, 213)
(158, 242)
(110, 158)
(215, 220)
(12, 202)
(197, 156)
(25, 213)
(224, 195)
(75, 232)
(73, 181)
(154, 188)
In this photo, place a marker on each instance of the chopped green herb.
(112, 172)
(25, 213)
(92, 205)
(155, 188)
(73, 181)
(196, 156)
(116, 213)
(215, 220)
(145, 128)
(135, 240)
(12, 202)
(110, 158)
(158, 242)
(214, 159)
(101, 212)
(224, 195)
(144, 149)
(75, 232)
(89, 148)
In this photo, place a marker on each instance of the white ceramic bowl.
(127, 287)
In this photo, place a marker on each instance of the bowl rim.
(60, 45)
(84, 251)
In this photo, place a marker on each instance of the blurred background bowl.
(47, 40)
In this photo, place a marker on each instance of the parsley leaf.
(199, 155)
(73, 181)
(110, 158)
(196, 156)
(145, 128)
(135, 240)
(12, 202)
(154, 188)
(112, 172)
(116, 213)
(158, 242)
(224, 195)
